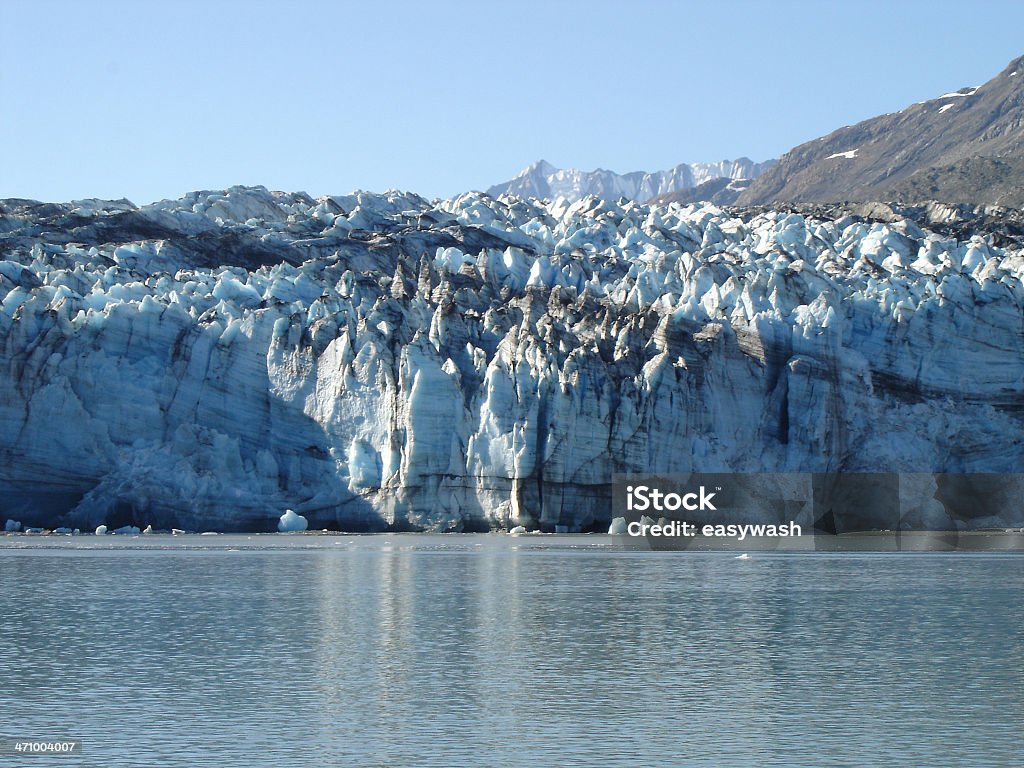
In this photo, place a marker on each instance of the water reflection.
(444, 653)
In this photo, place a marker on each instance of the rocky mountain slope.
(544, 181)
(966, 146)
(376, 361)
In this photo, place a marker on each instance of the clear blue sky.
(148, 100)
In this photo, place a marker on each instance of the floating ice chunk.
(618, 526)
(126, 530)
(744, 556)
(66, 531)
(209, 533)
(519, 530)
(100, 530)
(11, 526)
(148, 529)
(176, 531)
(290, 522)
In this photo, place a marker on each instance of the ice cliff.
(376, 361)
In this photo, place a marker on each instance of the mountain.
(720, 191)
(382, 361)
(966, 146)
(544, 181)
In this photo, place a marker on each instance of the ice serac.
(381, 361)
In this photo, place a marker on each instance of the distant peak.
(1015, 69)
(542, 180)
(541, 166)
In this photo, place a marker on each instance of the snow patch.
(955, 94)
(849, 154)
(945, 107)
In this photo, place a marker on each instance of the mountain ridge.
(542, 180)
(929, 150)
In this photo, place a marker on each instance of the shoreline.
(1002, 541)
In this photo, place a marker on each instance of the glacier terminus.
(386, 362)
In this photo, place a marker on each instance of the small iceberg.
(12, 526)
(101, 530)
(618, 526)
(744, 556)
(291, 522)
(519, 530)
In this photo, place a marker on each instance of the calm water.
(494, 651)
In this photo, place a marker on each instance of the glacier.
(386, 362)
